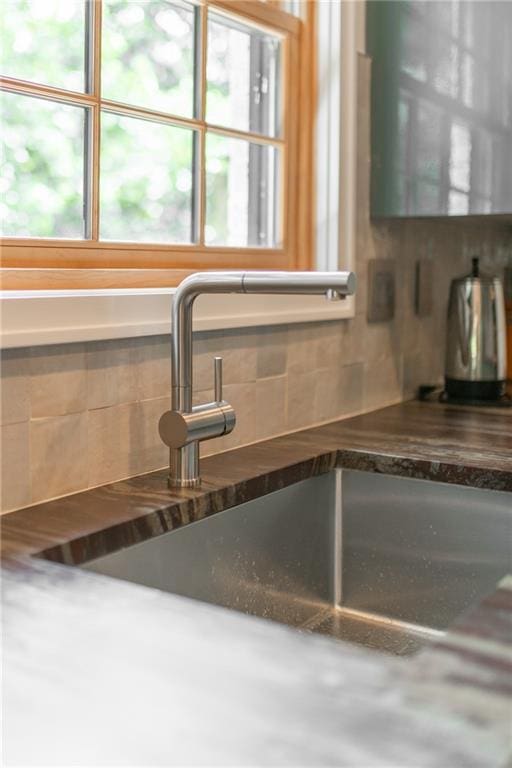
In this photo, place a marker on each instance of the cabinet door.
(441, 107)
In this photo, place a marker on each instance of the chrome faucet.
(185, 426)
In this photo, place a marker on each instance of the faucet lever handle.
(217, 372)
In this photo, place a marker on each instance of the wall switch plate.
(423, 288)
(381, 290)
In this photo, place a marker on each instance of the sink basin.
(383, 561)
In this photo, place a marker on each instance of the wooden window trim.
(31, 263)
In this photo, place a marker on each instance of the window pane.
(148, 55)
(427, 198)
(44, 41)
(413, 52)
(460, 157)
(42, 178)
(146, 180)
(295, 7)
(428, 140)
(243, 77)
(445, 68)
(458, 203)
(242, 198)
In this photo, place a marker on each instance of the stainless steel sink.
(383, 561)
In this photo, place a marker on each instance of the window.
(159, 134)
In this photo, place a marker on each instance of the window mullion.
(200, 169)
(89, 61)
(93, 148)
(89, 46)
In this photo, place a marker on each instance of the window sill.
(32, 318)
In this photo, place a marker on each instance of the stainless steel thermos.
(476, 361)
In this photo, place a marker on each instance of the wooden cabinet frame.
(31, 263)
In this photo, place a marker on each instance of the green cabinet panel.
(441, 107)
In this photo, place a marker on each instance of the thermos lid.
(476, 275)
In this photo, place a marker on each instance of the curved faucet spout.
(214, 419)
(182, 308)
(263, 282)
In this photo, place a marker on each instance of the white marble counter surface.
(98, 672)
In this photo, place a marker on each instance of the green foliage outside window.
(146, 167)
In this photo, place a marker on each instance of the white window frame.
(31, 318)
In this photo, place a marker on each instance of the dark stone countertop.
(451, 444)
(102, 672)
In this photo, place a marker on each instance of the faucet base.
(184, 467)
(176, 482)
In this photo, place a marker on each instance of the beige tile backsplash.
(96, 421)
(15, 394)
(58, 455)
(110, 379)
(113, 441)
(57, 380)
(15, 465)
(80, 415)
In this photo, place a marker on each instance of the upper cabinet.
(441, 107)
